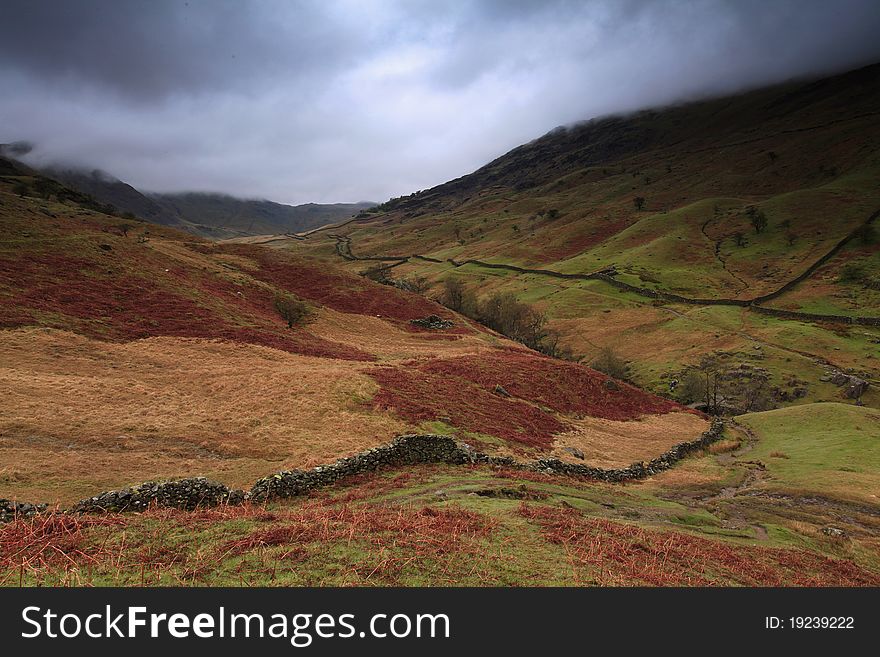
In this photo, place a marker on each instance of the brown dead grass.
(643, 335)
(724, 446)
(612, 444)
(229, 266)
(78, 414)
(376, 336)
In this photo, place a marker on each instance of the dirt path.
(755, 474)
(750, 485)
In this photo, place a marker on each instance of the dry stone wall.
(193, 493)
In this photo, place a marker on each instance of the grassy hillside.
(831, 448)
(132, 352)
(665, 201)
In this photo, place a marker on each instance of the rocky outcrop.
(853, 386)
(433, 322)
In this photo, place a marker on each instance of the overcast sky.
(356, 100)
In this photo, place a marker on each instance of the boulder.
(853, 386)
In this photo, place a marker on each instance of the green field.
(831, 448)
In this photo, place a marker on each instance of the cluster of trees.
(502, 312)
(757, 218)
(719, 389)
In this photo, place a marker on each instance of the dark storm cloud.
(343, 100)
(145, 50)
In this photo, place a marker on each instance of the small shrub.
(725, 445)
(292, 310)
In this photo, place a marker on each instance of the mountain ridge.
(628, 232)
(208, 214)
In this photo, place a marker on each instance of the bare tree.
(757, 218)
(711, 392)
(457, 297)
(608, 362)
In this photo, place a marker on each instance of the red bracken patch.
(102, 295)
(573, 245)
(336, 289)
(612, 553)
(419, 396)
(462, 390)
(50, 542)
(427, 531)
(560, 385)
